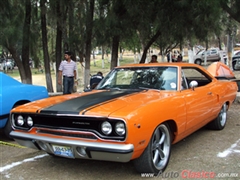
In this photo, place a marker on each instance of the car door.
(213, 55)
(200, 101)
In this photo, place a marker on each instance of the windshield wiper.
(148, 88)
(116, 88)
(109, 88)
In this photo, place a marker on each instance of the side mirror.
(193, 84)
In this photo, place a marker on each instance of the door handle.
(209, 93)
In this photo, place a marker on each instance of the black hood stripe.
(74, 106)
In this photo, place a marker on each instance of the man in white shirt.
(67, 70)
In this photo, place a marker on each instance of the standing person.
(154, 59)
(168, 57)
(179, 59)
(67, 71)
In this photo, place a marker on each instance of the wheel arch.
(228, 104)
(21, 102)
(173, 127)
(8, 128)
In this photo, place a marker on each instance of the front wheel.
(220, 122)
(8, 128)
(155, 157)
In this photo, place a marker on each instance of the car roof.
(8, 80)
(216, 69)
(177, 64)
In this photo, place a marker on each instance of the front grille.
(68, 122)
(77, 126)
(87, 136)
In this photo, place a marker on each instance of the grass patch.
(97, 64)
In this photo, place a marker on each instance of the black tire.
(156, 156)
(7, 129)
(220, 122)
(198, 61)
(233, 65)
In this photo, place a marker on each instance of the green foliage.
(11, 24)
(136, 23)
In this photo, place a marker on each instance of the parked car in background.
(236, 53)
(8, 64)
(236, 62)
(1, 60)
(212, 55)
(135, 113)
(12, 94)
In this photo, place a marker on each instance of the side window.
(213, 51)
(184, 82)
(195, 74)
(169, 79)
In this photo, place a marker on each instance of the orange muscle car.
(135, 113)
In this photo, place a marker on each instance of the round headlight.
(29, 121)
(120, 128)
(106, 128)
(20, 120)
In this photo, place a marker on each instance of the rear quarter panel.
(226, 90)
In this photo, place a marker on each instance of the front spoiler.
(94, 150)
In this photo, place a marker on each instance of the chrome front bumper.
(93, 150)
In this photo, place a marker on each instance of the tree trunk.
(25, 43)
(71, 28)
(89, 28)
(150, 42)
(45, 47)
(103, 56)
(219, 43)
(58, 44)
(230, 49)
(115, 45)
(19, 63)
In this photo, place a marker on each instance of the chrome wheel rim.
(223, 115)
(160, 147)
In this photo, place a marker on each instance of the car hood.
(95, 103)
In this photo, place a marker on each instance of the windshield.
(160, 78)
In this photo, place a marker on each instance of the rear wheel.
(157, 154)
(233, 65)
(198, 61)
(220, 122)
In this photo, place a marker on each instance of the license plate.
(63, 151)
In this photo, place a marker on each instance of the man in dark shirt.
(95, 79)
